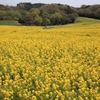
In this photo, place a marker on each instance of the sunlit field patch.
(59, 63)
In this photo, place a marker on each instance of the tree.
(94, 7)
(3, 15)
(46, 21)
(28, 20)
(38, 20)
(50, 8)
(55, 18)
(38, 14)
(83, 6)
(65, 19)
(45, 16)
(85, 12)
(97, 13)
(2, 7)
(24, 6)
(7, 7)
(35, 13)
(92, 11)
(15, 15)
(73, 17)
(22, 12)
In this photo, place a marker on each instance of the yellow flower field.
(59, 63)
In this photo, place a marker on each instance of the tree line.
(91, 11)
(47, 14)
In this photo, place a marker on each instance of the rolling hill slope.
(9, 22)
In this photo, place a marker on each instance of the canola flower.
(61, 63)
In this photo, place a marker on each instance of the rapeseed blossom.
(61, 63)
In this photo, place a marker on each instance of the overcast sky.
(75, 3)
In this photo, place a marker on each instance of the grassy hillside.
(86, 21)
(9, 22)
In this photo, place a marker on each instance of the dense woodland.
(47, 14)
(92, 11)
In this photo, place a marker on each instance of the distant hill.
(87, 21)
